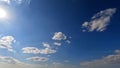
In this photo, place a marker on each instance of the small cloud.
(68, 41)
(57, 44)
(99, 21)
(46, 45)
(38, 59)
(59, 36)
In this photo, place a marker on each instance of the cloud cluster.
(108, 60)
(99, 21)
(38, 59)
(60, 36)
(35, 50)
(6, 42)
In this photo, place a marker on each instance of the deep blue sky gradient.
(37, 23)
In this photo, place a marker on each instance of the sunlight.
(3, 13)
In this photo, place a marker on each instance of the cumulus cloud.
(59, 36)
(38, 59)
(99, 21)
(108, 60)
(6, 42)
(57, 44)
(35, 50)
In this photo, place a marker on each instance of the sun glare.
(3, 13)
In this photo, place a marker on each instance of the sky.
(59, 34)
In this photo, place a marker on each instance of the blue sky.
(59, 34)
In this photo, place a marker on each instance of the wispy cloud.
(106, 61)
(99, 21)
(68, 41)
(8, 59)
(15, 2)
(38, 59)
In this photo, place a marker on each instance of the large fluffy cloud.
(6, 42)
(106, 61)
(99, 21)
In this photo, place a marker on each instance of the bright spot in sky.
(3, 13)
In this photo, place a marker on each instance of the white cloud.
(57, 44)
(35, 50)
(68, 41)
(108, 60)
(47, 51)
(7, 65)
(59, 36)
(9, 60)
(6, 42)
(46, 45)
(99, 21)
(38, 59)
